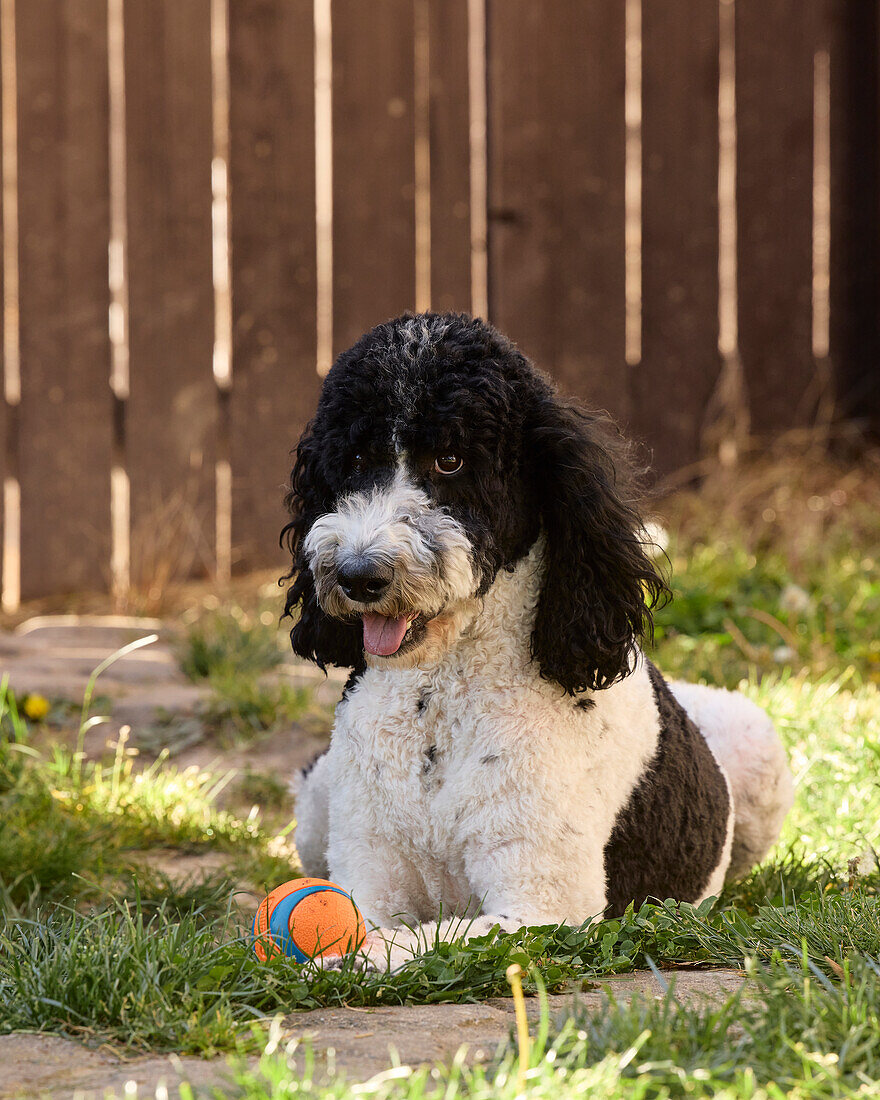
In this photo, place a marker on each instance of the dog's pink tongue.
(382, 636)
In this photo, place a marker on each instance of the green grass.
(232, 652)
(71, 826)
(794, 626)
(808, 1018)
(269, 792)
(230, 643)
(832, 732)
(126, 964)
(750, 601)
(240, 706)
(823, 1044)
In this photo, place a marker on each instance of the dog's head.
(437, 457)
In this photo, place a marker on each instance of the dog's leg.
(522, 885)
(548, 876)
(389, 948)
(746, 745)
(311, 791)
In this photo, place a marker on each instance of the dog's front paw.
(357, 960)
(484, 925)
(383, 949)
(389, 948)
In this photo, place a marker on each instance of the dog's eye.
(357, 461)
(447, 464)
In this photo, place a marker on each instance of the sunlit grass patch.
(831, 730)
(241, 706)
(231, 642)
(775, 564)
(69, 825)
(736, 611)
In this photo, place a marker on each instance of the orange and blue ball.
(307, 918)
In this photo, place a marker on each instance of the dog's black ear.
(315, 636)
(600, 585)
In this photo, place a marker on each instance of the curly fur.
(510, 751)
(315, 636)
(599, 583)
(543, 463)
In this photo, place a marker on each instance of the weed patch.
(240, 707)
(229, 644)
(69, 825)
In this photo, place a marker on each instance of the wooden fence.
(646, 194)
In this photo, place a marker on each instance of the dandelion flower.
(36, 707)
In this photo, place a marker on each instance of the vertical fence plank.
(272, 176)
(64, 435)
(680, 361)
(556, 199)
(852, 36)
(172, 409)
(373, 164)
(449, 106)
(775, 43)
(4, 409)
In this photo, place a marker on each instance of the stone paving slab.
(56, 655)
(364, 1040)
(358, 1042)
(37, 1066)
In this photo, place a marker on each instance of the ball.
(307, 918)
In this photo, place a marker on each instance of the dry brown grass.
(799, 495)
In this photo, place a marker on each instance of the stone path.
(362, 1041)
(55, 656)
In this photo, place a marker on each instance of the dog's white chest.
(453, 761)
(416, 745)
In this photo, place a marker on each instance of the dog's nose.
(364, 583)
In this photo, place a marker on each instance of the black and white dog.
(463, 540)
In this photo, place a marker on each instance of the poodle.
(466, 541)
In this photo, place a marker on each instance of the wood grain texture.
(450, 155)
(851, 33)
(64, 421)
(172, 408)
(373, 165)
(775, 44)
(680, 361)
(4, 411)
(556, 189)
(272, 176)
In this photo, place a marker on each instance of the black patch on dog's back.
(669, 837)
